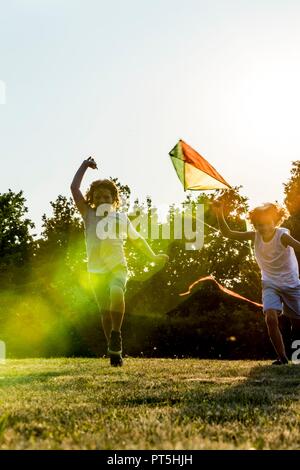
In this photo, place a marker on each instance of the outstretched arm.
(140, 243)
(75, 185)
(288, 240)
(233, 234)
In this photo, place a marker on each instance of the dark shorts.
(283, 299)
(102, 284)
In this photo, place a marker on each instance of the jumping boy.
(274, 251)
(106, 261)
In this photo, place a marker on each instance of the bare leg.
(117, 307)
(106, 323)
(271, 317)
(103, 305)
(103, 301)
(285, 327)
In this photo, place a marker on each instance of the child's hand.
(161, 258)
(90, 163)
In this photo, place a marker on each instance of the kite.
(194, 171)
(222, 288)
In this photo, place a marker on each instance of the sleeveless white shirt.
(106, 254)
(278, 264)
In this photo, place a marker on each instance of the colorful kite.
(193, 170)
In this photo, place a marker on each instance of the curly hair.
(268, 209)
(106, 184)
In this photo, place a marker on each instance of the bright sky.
(124, 80)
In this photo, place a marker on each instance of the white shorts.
(285, 299)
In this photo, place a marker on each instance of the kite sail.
(193, 170)
(222, 288)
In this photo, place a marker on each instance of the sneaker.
(115, 349)
(280, 362)
(116, 360)
(115, 343)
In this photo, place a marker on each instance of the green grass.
(148, 404)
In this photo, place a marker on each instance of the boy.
(274, 251)
(106, 260)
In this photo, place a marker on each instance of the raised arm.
(75, 185)
(233, 234)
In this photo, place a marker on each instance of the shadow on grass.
(8, 381)
(261, 393)
(265, 393)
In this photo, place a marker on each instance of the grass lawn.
(148, 404)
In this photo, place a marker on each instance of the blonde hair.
(106, 184)
(268, 209)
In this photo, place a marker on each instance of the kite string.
(219, 231)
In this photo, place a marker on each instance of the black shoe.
(115, 349)
(116, 360)
(280, 362)
(115, 343)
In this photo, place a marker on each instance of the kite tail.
(222, 288)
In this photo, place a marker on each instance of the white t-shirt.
(278, 263)
(104, 236)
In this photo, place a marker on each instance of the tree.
(61, 230)
(16, 242)
(292, 202)
(292, 190)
